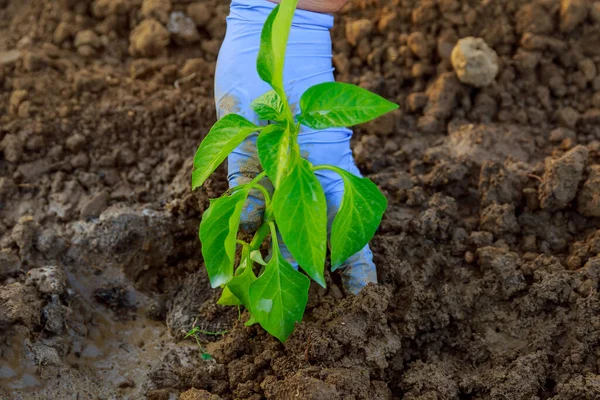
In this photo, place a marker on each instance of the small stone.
(429, 124)
(572, 14)
(34, 62)
(19, 304)
(91, 351)
(104, 8)
(87, 38)
(388, 21)
(24, 109)
(47, 280)
(126, 156)
(76, 142)
(12, 147)
(416, 101)
(9, 57)
(588, 201)
(418, 45)
(49, 243)
(475, 63)
(10, 264)
(53, 315)
(16, 98)
(35, 143)
(86, 51)
(198, 394)
(183, 29)
(499, 219)
(123, 382)
(561, 178)
(588, 69)
(357, 30)
(196, 66)
(94, 206)
(148, 39)
(567, 117)
(156, 9)
(211, 46)
(199, 13)
(81, 160)
(559, 134)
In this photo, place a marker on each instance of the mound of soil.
(488, 256)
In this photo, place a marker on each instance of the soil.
(488, 256)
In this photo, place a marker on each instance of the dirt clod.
(149, 39)
(475, 62)
(562, 178)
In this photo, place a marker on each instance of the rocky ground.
(488, 255)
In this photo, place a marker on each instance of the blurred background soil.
(488, 255)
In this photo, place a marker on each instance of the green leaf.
(273, 146)
(279, 297)
(251, 321)
(268, 106)
(240, 284)
(301, 214)
(334, 104)
(257, 257)
(218, 233)
(228, 299)
(358, 217)
(273, 42)
(225, 135)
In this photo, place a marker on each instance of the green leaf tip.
(225, 135)
(335, 104)
(279, 297)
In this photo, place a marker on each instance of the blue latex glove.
(308, 62)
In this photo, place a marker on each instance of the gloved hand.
(307, 63)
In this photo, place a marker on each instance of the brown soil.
(488, 256)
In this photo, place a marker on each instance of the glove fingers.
(358, 271)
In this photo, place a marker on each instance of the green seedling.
(194, 332)
(276, 297)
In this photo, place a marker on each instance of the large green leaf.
(358, 217)
(273, 146)
(279, 297)
(225, 135)
(301, 213)
(218, 233)
(273, 42)
(334, 104)
(269, 106)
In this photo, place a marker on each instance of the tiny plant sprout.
(274, 293)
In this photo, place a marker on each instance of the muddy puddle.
(113, 353)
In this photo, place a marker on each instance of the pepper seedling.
(276, 297)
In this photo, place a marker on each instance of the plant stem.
(273, 234)
(259, 236)
(257, 178)
(325, 166)
(265, 193)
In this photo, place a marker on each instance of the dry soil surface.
(488, 255)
